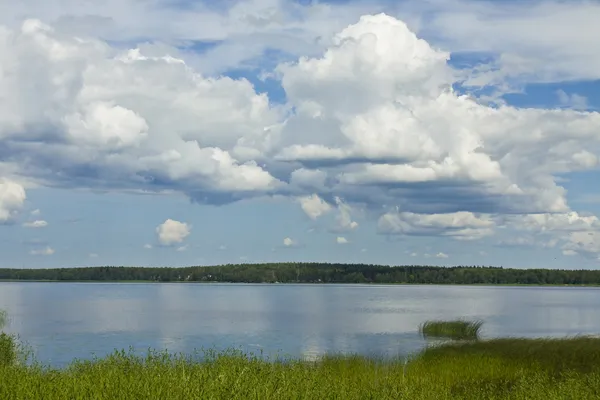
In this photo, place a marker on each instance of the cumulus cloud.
(119, 119)
(46, 251)
(38, 223)
(372, 119)
(343, 220)
(289, 243)
(461, 225)
(573, 232)
(341, 240)
(171, 232)
(314, 206)
(438, 255)
(12, 197)
(573, 100)
(406, 137)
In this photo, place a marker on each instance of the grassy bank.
(496, 369)
(471, 369)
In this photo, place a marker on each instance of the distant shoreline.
(314, 273)
(303, 283)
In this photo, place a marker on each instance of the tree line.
(314, 273)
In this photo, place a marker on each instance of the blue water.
(62, 321)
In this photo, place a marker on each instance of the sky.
(176, 132)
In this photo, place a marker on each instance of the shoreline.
(307, 283)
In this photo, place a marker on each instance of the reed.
(456, 329)
(3, 319)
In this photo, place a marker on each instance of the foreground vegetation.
(496, 369)
(456, 330)
(315, 273)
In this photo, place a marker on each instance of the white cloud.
(308, 179)
(46, 251)
(460, 225)
(575, 233)
(289, 242)
(314, 206)
(150, 120)
(343, 220)
(407, 129)
(574, 100)
(540, 41)
(38, 223)
(147, 246)
(584, 243)
(341, 240)
(438, 255)
(12, 197)
(182, 248)
(241, 31)
(569, 221)
(36, 212)
(171, 232)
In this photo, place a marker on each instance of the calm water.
(62, 321)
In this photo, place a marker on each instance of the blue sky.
(179, 133)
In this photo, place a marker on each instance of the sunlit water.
(62, 321)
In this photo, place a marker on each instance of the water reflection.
(66, 320)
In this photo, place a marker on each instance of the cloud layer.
(371, 122)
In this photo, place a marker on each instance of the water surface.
(62, 321)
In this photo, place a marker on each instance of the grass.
(488, 369)
(457, 329)
(495, 369)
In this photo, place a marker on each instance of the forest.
(314, 273)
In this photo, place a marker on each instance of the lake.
(62, 321)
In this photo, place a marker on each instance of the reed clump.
(455, 329)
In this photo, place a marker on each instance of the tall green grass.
(3, 319)
(495, 369)
(456, 329)
(8, 346)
